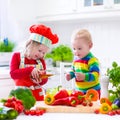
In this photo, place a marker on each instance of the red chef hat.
(43, 35)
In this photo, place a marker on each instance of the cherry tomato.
(27, 112)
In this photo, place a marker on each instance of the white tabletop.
(69, 116)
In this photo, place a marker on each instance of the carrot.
(92, 95)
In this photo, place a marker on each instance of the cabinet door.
(6, 85)
(116, 4)
(56, 7)
(91, 5)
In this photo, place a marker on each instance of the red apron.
(36, 88)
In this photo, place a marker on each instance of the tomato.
(84, 103)
(32, 112)
(36, 112)
(7, 104)
(19, 102)
(13, 99)
(97, 111)
(111, 113)
(90, 104)
(26, 112)
(118, 111)
(39, 112)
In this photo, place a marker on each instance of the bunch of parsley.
(114, 79)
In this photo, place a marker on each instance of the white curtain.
(3, 18)
(8, 25)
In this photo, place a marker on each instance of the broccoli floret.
(25, 95)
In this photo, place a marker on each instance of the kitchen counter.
(69, 116)
(6, 83)
(53, 116)
(4, 72)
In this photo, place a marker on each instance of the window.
(117, 1)
(93, 2)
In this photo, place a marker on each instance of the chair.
(64, 68)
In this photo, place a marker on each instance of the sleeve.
(44, 81)
(15, 71)
(94, 70)
(72, 74)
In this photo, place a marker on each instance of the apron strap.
(23, 65)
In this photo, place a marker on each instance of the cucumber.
(3, 116)
(12, 114)
(7, 113)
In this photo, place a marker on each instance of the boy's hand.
(80, 76)
(68, 76)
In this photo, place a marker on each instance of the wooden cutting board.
(67, 109)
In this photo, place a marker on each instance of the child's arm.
(94, 70)
(17, 73)
(70, 74)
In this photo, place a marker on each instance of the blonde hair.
(82, 34)
(29, 46)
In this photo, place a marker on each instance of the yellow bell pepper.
(105, 108)
(49, 99)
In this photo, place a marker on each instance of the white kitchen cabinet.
(6, 85)
(91, 5)
(57, 10)
(116, 4)
(80, 10)
(97, 5)
(56, 7)
(28, 10)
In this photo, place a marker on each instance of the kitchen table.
(69, 116)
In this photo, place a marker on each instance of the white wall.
(105, 35)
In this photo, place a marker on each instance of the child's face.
(38, 52)
(81, 47)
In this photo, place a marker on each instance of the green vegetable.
(7, 113)
(25, 95)
(3, 116)
(6, 45)
(116, 103)
(12, 114)
(60, 53)
(114, 78)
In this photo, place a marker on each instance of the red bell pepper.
(69, 101)
(63, 93)
(79, 95)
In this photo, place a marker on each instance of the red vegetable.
(61, 94)
(69, 101)
(97, 111)
(36, 112)
(79, 95)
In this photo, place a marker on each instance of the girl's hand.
(35, 74)
(42, 72)
(68, 76)
(80, 76)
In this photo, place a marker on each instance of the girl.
(27, 67)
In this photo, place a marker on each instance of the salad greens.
(114, 79)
